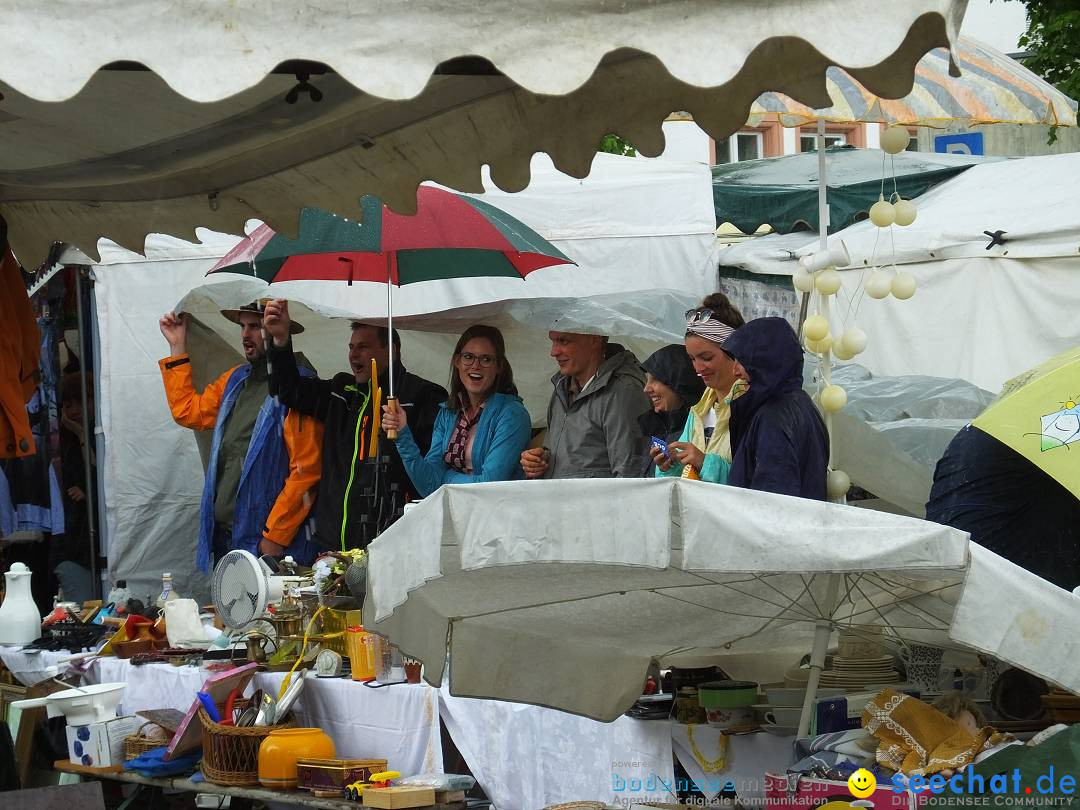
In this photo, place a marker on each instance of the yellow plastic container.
(280, 750)
(362, 648)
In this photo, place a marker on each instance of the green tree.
(614, 145)
(1053, 37)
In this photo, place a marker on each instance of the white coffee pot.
(20, 622)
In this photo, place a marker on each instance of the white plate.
(862, 663)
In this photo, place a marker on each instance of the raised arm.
(190, 408)
(308, 395)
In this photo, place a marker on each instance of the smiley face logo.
(861, 783)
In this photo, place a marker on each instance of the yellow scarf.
(720, 443)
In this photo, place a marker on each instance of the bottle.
(167, 592)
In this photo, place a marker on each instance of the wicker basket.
(138, 743)
(231, 754)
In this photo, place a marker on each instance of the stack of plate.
(849, 673)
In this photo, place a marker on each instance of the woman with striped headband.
(704, 448)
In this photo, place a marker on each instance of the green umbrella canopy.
(782, 191)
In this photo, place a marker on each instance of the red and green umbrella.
(450, 236)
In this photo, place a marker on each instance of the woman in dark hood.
(672, 387)
(778, 440)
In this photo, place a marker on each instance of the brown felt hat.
(234, 316)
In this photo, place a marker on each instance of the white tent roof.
(1033, 200)
(206, 136)
(981, 315)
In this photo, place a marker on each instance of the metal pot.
(285, 626)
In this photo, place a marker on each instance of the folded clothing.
(153, 763)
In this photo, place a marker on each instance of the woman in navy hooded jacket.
(778, 440)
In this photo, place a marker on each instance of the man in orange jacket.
(265, 460)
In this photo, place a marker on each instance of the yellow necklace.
(710, 765)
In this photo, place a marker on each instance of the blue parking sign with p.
(963, 143)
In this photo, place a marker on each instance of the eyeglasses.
(699, 314)
(485, 360)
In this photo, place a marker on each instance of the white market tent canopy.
(207, 137)
(983, 312)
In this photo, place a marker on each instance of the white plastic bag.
(182, 624)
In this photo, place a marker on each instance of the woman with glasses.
(704, 447)
(482, 427)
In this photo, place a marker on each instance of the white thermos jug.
(19, 619)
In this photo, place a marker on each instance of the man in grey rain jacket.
(592, 422)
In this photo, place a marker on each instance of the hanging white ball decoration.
(854, 340)
(903, 286)
(827, 282)
(878, 284)
(820, 346)
(833, 398)
(882, 213)
(905, 212)
(816, 327)
(840, 351)
(895, 140)
(802, 281)
(837, 483)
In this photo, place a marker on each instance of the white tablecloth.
(527, 757)
(30, 667)
(397, 723)
(749, 756)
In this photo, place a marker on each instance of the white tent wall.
(980, 315)
(641, 232)
(152, 473)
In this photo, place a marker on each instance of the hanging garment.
(19, 356)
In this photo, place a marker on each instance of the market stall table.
(300, 798)
(522, 756)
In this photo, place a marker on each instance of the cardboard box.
(101, 745)
(397, 797)
(335, 774)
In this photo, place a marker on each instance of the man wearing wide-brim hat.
(265, 459)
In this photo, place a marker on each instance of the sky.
(998, 23)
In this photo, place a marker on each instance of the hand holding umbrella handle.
(392, 407)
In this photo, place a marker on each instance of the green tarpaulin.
(1020, 776)
(782, 191)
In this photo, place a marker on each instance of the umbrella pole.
(391, 400)
(822, 633)
(823, 246)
